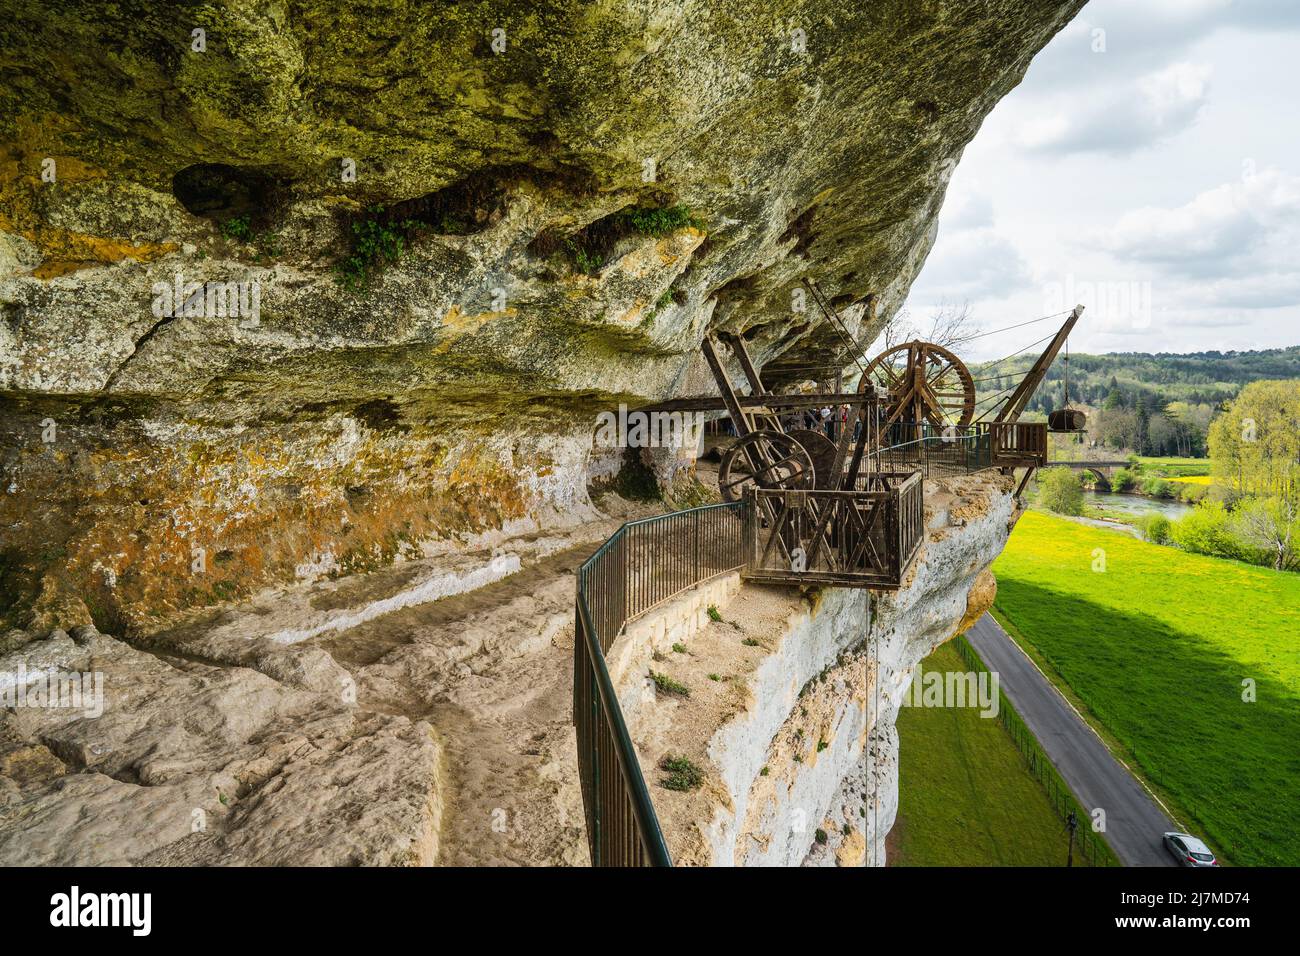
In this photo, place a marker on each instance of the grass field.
(1157, 647)
(1175, 467)
(965, 796)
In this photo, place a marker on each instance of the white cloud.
(970, 210)
(1113, 39)
(1116, 193)
(1147, 110)
(1235, 229)
(972, 264)
(1269, 291)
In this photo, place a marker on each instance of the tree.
(1206, 530)
(1255, 443)
(1059, 490)
(1273, 526)
(1140, 436)
(1122, 480)
(1117, 427)
(1154, 527)
(950, 326)
(1190, 423)
(1163, 436)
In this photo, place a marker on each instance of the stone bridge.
(1103, 469)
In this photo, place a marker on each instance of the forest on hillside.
(1154, 404)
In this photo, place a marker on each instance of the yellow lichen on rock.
(978, 600)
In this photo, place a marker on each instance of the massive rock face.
(572, 194)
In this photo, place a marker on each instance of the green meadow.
(1175, 467)
(966, 797)
(1160, 646)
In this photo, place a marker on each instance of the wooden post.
(751, 373)
(724, 387)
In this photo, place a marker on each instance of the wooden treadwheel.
(768, 459)
(926, 385)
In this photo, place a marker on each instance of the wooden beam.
(756, 388)
(725, 390)
(1015, 405)
(715, 403)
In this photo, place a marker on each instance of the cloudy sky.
(1148, 167)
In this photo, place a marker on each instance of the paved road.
(1134, 821)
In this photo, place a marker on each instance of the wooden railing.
(951, 453)
(850, 538)
(1019, 444)
(864, 538)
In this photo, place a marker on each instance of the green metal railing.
(643, 564)
(953, 450)
(937, 454)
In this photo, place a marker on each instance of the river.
(1134, 504)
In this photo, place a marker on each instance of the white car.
(1188, 850)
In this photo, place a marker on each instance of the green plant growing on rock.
(822, 745)
(821, 836)
(668, 685)
(714, 677)
(714, 614)
(751, 642)
(659, 222)
(683, 775)
(586, 260)
(375, 241)
(679, 648)
(239, 229)
(268, 245)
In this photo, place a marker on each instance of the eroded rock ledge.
(420, 731)
(200, 765)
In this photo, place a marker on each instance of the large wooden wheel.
(768, 459)
(822, 451)
(926, 384)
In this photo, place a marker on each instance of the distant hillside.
(1208, 378)
(1159, 404)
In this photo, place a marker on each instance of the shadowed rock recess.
(294, 291)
